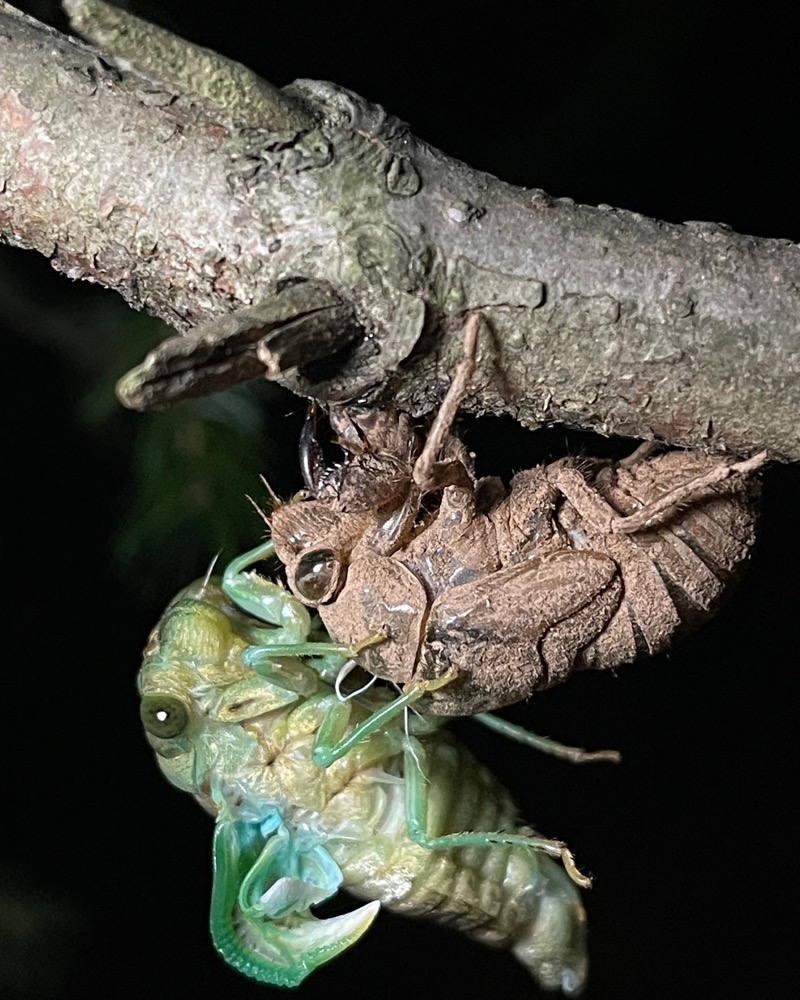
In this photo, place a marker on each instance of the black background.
(681, 111)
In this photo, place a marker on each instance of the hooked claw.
(265, 879)
(312, 459)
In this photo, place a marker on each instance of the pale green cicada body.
(240, 699)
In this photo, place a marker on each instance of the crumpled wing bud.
(252, 886)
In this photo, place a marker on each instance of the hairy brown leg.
(651, 512)
(602, 516)
(429, 473)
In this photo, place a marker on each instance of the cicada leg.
(288, 637)
(576, 755)
(288, 618)
(599, 513)
(654, 511)
(266, 601)
(417, 821)
(429, 472)
(266, 877)
(331, 744)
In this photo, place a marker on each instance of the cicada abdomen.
(509, 896)
(676, 562)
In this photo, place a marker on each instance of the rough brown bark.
(361, 248)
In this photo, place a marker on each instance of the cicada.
(238, 688)
(485, 593)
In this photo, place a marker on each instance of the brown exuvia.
(486, 594)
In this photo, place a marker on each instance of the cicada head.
(201, 702)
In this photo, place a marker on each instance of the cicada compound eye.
(163, 716)
(318, 576)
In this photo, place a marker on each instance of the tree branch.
(342, 240)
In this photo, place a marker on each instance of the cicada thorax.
(674, 572)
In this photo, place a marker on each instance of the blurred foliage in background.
(183, 465)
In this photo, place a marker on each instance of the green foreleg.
(326, 751)
(265, 600)
(289, 620)
(330, 745)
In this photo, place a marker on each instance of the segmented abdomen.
(674, 574)
(513, 897)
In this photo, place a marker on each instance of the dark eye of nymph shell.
(315, 575)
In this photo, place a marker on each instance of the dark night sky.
(681, 111)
